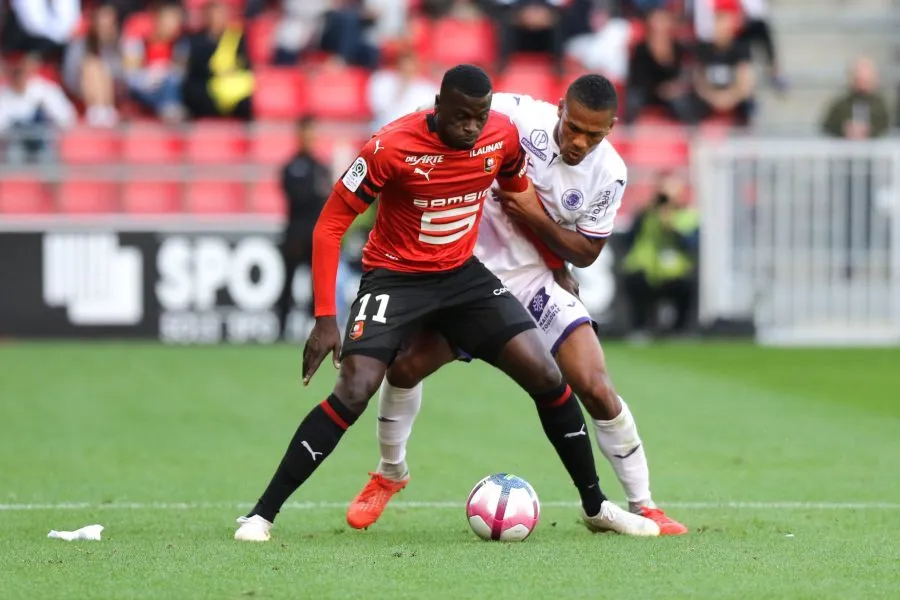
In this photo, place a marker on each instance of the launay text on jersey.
(485, 149)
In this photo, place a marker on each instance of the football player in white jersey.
(580, 179)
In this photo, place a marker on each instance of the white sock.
(619, 438)
(397, 410)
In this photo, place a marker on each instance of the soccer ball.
(503, 507)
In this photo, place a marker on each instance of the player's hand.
(521, 206)
(325, 337)
(564, 279)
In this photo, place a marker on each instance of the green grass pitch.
(784, 464)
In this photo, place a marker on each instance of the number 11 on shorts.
(379, 316)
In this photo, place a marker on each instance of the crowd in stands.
(191, 59)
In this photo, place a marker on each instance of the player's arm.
(352, 195)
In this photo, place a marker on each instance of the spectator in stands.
(661, 260)
(344, 35)
(154, 67)
(389, 20)
(531, 26)
(597, 41)
(454, 9)
(656, 73)
(306, 184)
(29, 108)
(92, 69)
(757, 31)
(861, 112)
(41, 27)
(723, 79)
(393, 93)
(219, 81)
(299, 29)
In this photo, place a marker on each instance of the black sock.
(565, 428)
(317, 436)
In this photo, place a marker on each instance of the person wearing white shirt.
(393, 93)
(27, 105)
(580, 180)
(42, 26)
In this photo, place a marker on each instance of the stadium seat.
(151, 144)
(151, 197)
(273, 145)
(215, 197)
(138, 25)
(88, 197)
(536, 81)
(280, 93)
(658, 147)
(455, 41)
(266, 198)
(339, 94)
(260, 33)
(20, 196)
(216, 143)
(84, 145)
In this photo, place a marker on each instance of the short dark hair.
(470, 80)
(594, 92)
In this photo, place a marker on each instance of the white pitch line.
(735, 505)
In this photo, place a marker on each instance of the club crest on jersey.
(490, 164)
(537, 142)
(487, 149)
(356, 330)
(572, 199)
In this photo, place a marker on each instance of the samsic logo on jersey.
(453, 200)
(425, 159)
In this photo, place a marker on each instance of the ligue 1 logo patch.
(490, 164)
(572, 199)
(356, 330)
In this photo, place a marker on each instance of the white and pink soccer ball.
(503, 507)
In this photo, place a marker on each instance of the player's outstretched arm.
(325, 336)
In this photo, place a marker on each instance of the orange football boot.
(667, 526)
(372, 500)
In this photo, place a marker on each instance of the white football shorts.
(556, 312)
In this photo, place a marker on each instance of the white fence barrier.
(802, 237)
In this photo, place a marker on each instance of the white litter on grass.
(89, 532)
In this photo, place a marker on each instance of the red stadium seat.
(266, 198)
(537, 82)
(88, 197)
(260, 32)
(339, 94)
(455, 41)
(89, 146)
(216, 143)
(215, 197)
(138, 25)
(280, 94)
(273, 145)
(152, 144)
(658, 147)
(19, 196)
(151, 197)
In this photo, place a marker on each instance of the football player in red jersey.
(432, 171)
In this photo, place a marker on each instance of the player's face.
(460, 118)
(580, 129)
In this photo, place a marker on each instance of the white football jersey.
(583, 198)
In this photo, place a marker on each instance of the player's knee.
(545, 375)
(598, 395)
(405, 373)
(356, 386)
